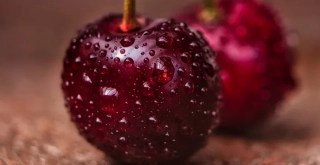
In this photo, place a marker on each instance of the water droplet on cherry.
(117, 60)
(189, 87)
(128, 62)
(163, 70)
(91, 59)
(164, 41)
(88, 45)
(185, 57)
(127, 41)
(102, 53)
(147, 89)
(152, 52)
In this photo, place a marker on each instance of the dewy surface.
(36, 129)
(148, 96)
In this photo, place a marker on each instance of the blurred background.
(35, 127)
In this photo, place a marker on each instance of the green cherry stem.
(210, 11)
(129, 21)
(208, 5)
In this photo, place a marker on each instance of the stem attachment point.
(210, 12)
(129, 21)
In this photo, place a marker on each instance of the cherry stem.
(210, 12)
(209, 5)
(129, 21)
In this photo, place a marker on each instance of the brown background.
(35, 128)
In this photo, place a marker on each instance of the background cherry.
(253, 54)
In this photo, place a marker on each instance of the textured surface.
(35, 127)
(142, 97)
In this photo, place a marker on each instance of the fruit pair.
(147, 91)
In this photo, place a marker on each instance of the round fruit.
(143, 95)
(252, 52)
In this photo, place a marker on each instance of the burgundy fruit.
(254, 58)
(145, 97)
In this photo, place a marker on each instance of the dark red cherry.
(145, 97)
(254, 57)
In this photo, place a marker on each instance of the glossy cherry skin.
(254, 57)
(146, 97)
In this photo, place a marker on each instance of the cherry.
(252, 52)
(145, 92)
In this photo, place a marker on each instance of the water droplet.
(150, 145)
(136, 47)
(163, 70)
(107, 46)
(197, 57)
(117, 60)
(88, 45)
(98, 120)
(78, 60)
(195, 66)
(145, 44)
(122, 51)
(181, 72)
(164, 26)
(204, 89)
(192, 101)
(123, 121)
(127, 41)
(192, 35)
(173, 92)
(146, 60)
(91, 59)
(110, 98)
(96, 46)
(178, 30)
(128, 62)
(79, 97)
(189, 87)
(152, 119)
(156, 103)
(164, 41)
(182, 24)
(194, 45)
(102, 53)
(108, 38)
(104, 69)
(147, 89)
(185, 57)
(86, 78)
(109, 92)
(138, 104)
(67, 83)
(152, 52)
(122, 140)
(209, 69)
(147, 32)
(142, 53)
